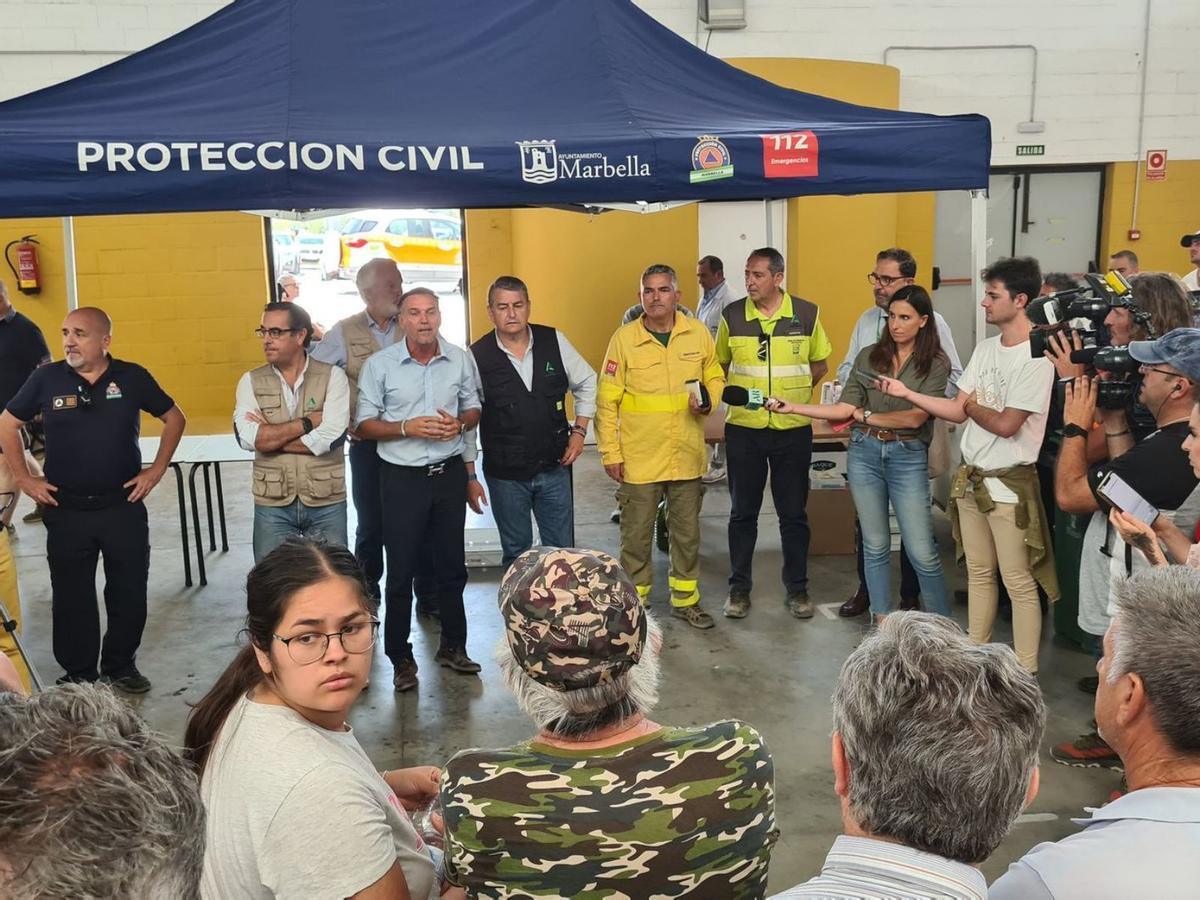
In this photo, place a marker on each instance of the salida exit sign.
(1031, 149)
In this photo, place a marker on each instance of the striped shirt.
(869, 869)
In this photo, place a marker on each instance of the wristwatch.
(307, 423)
(1073, 430)
(866, 415)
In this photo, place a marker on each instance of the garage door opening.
(326, 254)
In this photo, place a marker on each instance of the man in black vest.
(525, 372)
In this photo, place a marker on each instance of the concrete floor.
(769, 669)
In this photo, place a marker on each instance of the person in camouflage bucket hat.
(572, 617)
(603, 803)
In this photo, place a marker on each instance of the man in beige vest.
(293, 413)
(348, 344)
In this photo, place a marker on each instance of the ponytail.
(206, 718)
(295, 564)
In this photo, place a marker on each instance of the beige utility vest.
(279, 478)
(360, 346)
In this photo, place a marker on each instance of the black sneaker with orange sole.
(1088, 751)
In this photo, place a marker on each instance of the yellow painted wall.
(1166, 210)
(583, 270)
(184, 291)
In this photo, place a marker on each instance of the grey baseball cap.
(1179, 349)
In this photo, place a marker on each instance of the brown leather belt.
(888, 434)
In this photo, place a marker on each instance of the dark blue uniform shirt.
(22, 349)
(91, 429)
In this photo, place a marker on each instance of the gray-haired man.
(934, 755)
(1144, 844)
(94, 804)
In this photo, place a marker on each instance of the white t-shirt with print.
(298, 811)
(1005, 378)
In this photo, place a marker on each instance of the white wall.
(1089, 57)
(1089, 63)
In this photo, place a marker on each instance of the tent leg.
(68, 226)
(979, 243)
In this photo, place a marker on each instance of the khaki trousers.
(989, 541)
(639, 506)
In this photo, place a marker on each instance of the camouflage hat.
(572, 617)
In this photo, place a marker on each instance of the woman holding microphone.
(889, 446)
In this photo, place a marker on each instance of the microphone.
(735, 395)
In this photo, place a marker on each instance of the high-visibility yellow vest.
(773, 355)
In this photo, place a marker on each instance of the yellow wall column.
(1167, 210)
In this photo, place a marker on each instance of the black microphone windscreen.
(735, 395)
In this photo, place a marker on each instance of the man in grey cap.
(1191, 280)
(1156, 468)
(670, 810)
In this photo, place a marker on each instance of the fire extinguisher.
(29, 279)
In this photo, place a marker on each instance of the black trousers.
(910, 587)
(424, 515)
(365, 466)
(786, 454)
(75, 540)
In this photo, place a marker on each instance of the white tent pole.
(68, 226)
(978, 258)
(768, 231)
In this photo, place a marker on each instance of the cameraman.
(1156, 467)
(1155, 294)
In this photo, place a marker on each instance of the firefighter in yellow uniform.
(773, 343)
(650, 433)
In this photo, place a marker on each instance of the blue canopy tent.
(317, 104)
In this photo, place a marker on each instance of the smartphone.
(1117, 491)
(866, 379)
(697, 389)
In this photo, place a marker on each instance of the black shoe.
(456, 658)
(132, 682)
(78, 679)
(405, 676)
(1089, 684)
(856, 605)
(908, 604)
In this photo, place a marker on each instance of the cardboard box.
(828, 469)
(831, 518)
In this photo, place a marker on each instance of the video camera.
(1083, 310)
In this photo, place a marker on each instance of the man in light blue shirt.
(1147, 842)
(935, 749)
(415, 400)
(348, 345)
(894, 268)
(710, 272)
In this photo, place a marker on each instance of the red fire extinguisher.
(29, 279)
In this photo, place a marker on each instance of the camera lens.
(1115, 359)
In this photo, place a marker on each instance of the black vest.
(524, 432)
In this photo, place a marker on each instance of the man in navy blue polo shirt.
(22, 349)
(93, 490)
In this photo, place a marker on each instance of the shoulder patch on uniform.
(610, 367)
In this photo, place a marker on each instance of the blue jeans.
(548, 496)
(275, 524)
(896, 471)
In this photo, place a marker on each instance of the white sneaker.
(713, 475)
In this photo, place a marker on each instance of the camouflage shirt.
(679, 812)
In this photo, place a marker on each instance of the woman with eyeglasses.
(888, 457)
(295, 807)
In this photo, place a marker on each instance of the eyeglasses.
(274, 333)
(1169, 374)
(764, 347)
(883, 280)
(307, 648)
(85, 396)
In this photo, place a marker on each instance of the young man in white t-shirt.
(1003, 397)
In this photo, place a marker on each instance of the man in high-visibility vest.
(772, 342)
(650, 434)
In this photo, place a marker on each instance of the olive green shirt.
(860, 395)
